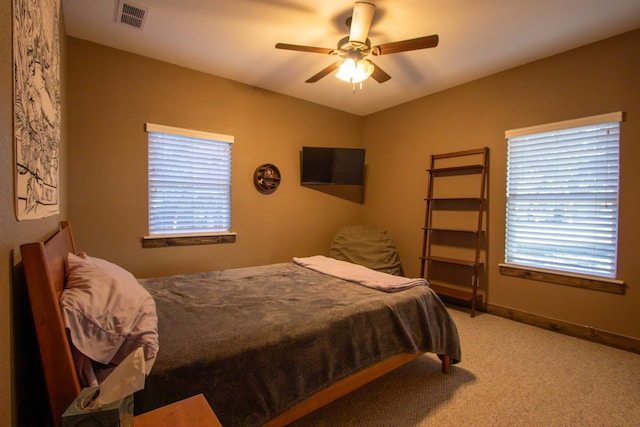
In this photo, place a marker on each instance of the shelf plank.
(456, 261)
(465, 168)
(454, 199)
(452, 230)
(454, 293)
(473, 151)
(456, 296)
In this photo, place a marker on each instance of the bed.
(280, 341)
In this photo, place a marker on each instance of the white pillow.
(108, 313)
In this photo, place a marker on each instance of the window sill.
(168, 241)
(579, 281)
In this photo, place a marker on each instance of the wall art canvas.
(36, 67)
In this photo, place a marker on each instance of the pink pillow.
(107, 312)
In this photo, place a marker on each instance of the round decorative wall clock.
(266, 178)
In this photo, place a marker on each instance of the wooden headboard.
(45, 275)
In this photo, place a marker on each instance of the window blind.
(189, 182)
(562, 199)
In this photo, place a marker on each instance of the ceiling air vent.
(131, 14)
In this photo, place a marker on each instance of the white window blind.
(189, 181)
(562, 196)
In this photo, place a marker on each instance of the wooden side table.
(193, 411)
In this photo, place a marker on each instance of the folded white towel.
(359, 274)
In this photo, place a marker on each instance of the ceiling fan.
(352, 50)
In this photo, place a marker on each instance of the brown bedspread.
(258, 340)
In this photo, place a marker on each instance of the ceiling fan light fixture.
(360, 22)
(352, 67)
(352, 71)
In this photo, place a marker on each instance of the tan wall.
(595, 79)
(113, 93)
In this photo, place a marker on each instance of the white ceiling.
(235, 39)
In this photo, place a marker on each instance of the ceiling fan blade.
(379, 74)
(303, 48)
(360, 22)
(331, 68)
(406, 45)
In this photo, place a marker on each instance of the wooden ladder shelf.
(471, 165)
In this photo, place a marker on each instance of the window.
(562, 196)
(189, 183)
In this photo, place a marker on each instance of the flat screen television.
(325, 165)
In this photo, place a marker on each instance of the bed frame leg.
(446, 363)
